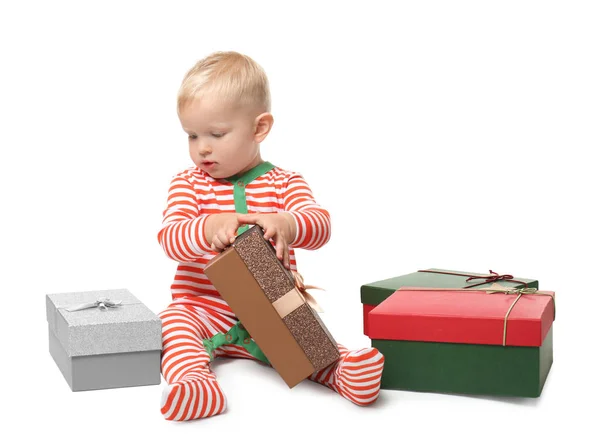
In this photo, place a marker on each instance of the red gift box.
(492, 316)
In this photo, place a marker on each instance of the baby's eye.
(192, 137)
(217, 135)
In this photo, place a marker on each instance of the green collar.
(245, 178)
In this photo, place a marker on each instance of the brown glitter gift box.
(263, 295)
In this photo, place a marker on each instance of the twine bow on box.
(101, 303)
(487, 279)
(493, 277)
(496, 288)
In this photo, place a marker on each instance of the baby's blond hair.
(232, 76)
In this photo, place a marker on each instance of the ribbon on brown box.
(489, 278)
(497, 288)
(296, 297)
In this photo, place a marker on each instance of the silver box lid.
(126, 328)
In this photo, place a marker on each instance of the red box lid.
(463, 316)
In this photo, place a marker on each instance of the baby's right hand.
(223, 230)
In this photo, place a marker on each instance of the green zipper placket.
(240, 181)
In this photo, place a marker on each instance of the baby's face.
(221, 137)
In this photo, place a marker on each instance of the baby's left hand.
(281, 227)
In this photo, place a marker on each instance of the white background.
(458, 135)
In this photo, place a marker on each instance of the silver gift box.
(99, 348)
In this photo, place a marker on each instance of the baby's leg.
(192, 391)
(356, 375)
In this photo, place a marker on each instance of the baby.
(224, 107)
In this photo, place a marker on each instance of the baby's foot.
(195, 396)
(359, 376)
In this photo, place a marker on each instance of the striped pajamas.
(198, 312)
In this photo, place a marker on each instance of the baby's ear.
(262, 124)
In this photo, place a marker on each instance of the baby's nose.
(204, 148)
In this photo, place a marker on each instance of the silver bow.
(101, 303)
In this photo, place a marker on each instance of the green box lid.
(377, 292)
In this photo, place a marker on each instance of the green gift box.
(375, 293)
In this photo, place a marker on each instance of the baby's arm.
(185, 231)
(313, 224)
(301, 224)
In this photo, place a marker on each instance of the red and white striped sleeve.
(182, 233)
(312, 221)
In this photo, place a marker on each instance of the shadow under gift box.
(102, 349)
(452, 341)
(374, 293)
(251, 279)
